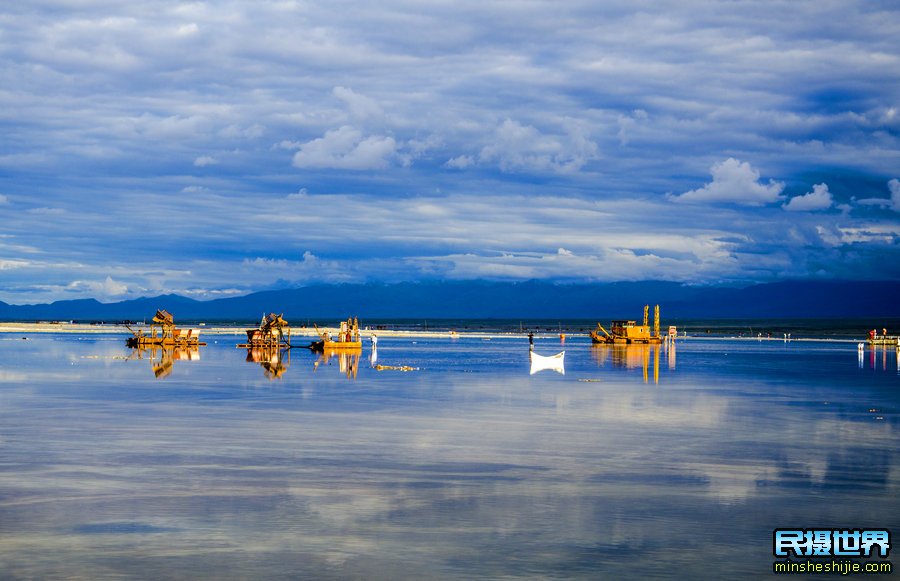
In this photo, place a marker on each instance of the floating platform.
(348, 338)
(163, 334)
(177, 338)
(336, 346)
(883, 340)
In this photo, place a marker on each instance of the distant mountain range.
(498, 300)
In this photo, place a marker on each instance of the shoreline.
(235, 331)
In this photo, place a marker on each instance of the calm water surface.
(637, 462)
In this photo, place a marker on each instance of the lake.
(637, 462)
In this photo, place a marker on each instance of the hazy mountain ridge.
(481, 299)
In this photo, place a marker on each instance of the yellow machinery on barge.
(163, 333)
(347, 338)
(626, 332)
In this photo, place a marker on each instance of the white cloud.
(46, 211)
(516, 147)
(205, 160)
(299, 194)
(234, 131)
(892, 203)
(460, 162)
(194, 190)
(3, 200)
(628, 123)
(11, 264)
(104, 289)
(894, 186)
(187, 29)
(307, 269)
(346, 148)
(818, 199)
(735, 182)
(361, 107)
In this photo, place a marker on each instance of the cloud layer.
(220, 147)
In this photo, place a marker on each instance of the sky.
(212, 149)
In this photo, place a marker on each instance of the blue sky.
(218, 148)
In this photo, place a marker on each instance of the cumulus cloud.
(107, 288)
(346, 148)
(818, 199)
(516, 147)
(734, 182)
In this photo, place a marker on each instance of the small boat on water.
(347, 338)
(552, 362)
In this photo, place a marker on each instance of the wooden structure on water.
(347, 338)
(269, 345)
(627, 332)
(273, 332)
(163, 333)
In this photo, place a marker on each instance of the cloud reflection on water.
(444, 473)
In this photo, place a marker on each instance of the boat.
(164, 333)
(553, 362)
(626, 331)
(347, 338)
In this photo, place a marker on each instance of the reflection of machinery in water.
(164, 333)
(348, 361)
(163, 358)
(635, 356)
(273, 360)
(623, 331)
